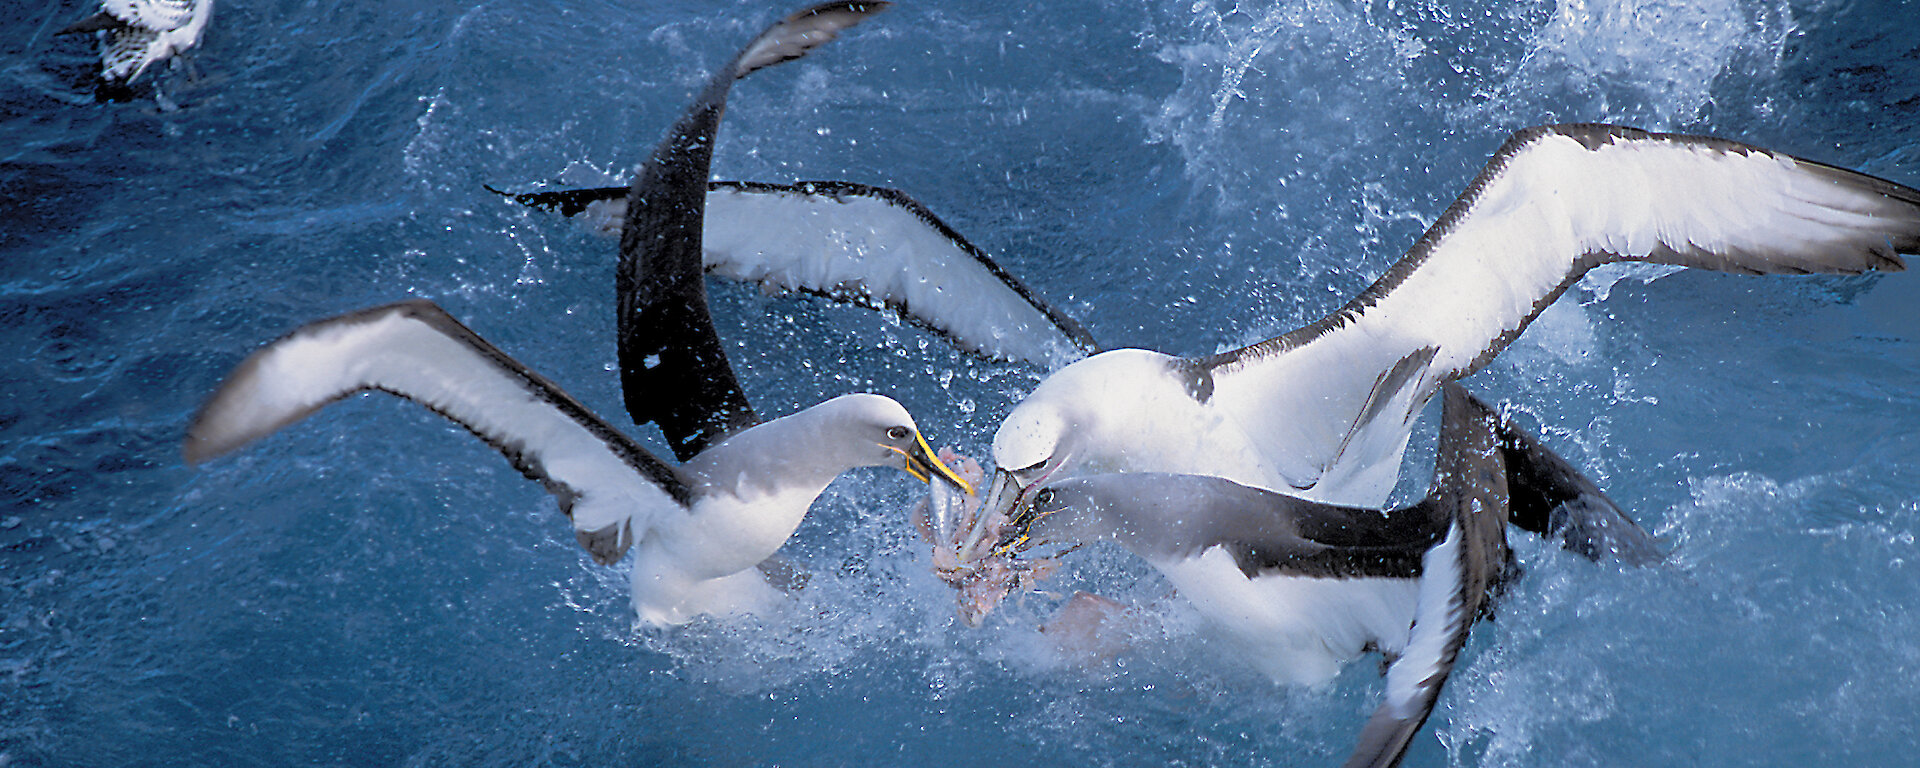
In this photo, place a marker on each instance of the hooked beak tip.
(1002, 493)
(932, 467)
(924, 466)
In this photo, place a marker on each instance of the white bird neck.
(797, 454)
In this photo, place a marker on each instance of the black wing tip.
(201, 444)
(1384, 740)
(1595, 528)
(566, 202)
(856, 10)
(854, 6)
(198, 448)
(1553, 499)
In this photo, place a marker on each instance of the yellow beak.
(920, 463)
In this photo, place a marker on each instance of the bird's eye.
(897, 433)
(1043, 498)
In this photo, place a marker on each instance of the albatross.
(704, 533)
(1326, 411)
(1303, 587)
(700, 529)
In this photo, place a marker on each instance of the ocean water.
(375, 587)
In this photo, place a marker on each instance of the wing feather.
(152, 15)
(673, 368)
(865, 245)
(1165, 517)
(608, 485)
(1457, 576)
(1550, 497)
(801, 32)
(1554, 202)
(879, 246)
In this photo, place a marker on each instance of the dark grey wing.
(673, 368)
(610, 487)
(1164, 517)
(1470, 492)
(1552, 203)
(862, 244)
(1552, 498)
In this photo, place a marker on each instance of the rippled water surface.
(374, 586)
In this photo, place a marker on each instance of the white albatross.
(1326, 411)
(705, 534)
(699, 531)
(141, 33)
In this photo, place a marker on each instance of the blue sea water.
(373, 586)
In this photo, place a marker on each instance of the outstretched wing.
(673, 369)
(608, 485)
(1554, 202)
(867, 245)
(1469, 493)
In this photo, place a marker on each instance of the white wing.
(869, 245)
(879, 246)
(1553, 203)
(611, 488)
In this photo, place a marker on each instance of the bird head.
(1030, 447)
(882, 434)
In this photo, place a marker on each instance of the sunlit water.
(376, 587)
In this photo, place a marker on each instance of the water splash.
(1650, 63)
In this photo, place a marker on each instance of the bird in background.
(136, 34)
